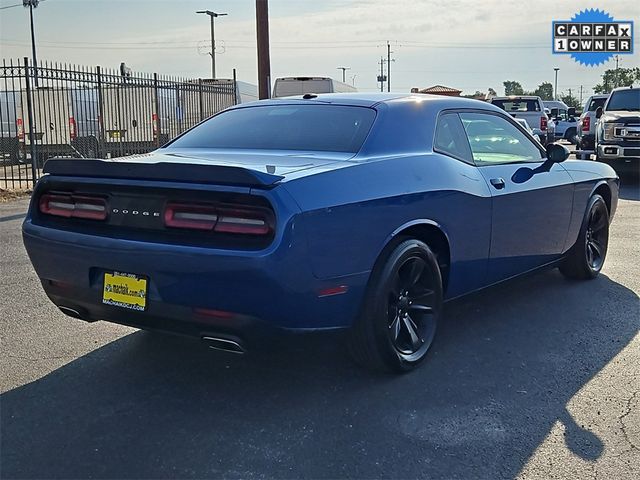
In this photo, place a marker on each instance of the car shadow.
(503, 368)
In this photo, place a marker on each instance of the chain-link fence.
(56, 110)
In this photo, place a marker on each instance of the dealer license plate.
(125, 290)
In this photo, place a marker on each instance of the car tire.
(586, 258)
(571, 136)
(401, 309)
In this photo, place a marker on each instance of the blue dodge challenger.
(362, 212)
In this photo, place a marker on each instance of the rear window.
(595, 103)
(518, 105)
(287, 88)
(325, 128)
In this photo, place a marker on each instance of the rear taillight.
(543, 123)
(73, 133)
(586, 124)
(20, 129)
(219, 218)
(73, 206)
(154, 124)
(196, 217)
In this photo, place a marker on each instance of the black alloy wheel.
(411, 309)
(586, 258)
(597, 236)
(401, 310)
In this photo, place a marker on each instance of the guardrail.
(59, 110)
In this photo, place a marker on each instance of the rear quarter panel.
(350, 214)
(588, 177)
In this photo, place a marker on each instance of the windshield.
(625, 100)
(518, 105)
(595, 103)
(326, 128)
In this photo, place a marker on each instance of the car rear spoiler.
(162, 171)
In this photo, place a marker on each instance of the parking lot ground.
(537, 378)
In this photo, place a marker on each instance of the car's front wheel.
(402, 308)
(586, 258)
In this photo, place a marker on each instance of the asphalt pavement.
(537, 378)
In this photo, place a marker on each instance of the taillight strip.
(72, 206)
(219, 218)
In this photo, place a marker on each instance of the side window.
(451, 139)
(495, 140)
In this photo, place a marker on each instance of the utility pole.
(555, 89)
(617, 65)
(344, 69)
(570, 96)
(264, 63)
(382, 78)
(213, 16)
(580, 94)
(388, 66)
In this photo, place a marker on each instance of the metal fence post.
(101, 132)
(157, 108)
(201, 100)
(32, 143)
(235, 88)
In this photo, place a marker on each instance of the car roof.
(362, 99)
(631, 87)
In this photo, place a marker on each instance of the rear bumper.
(194, 291)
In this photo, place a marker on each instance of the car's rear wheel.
(586, 258)
(402, 308)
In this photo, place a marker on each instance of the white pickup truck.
(530, 108)
(564, 119)
(588, 120)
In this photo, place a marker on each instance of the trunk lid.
(224, 167)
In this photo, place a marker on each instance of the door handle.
(498, 183)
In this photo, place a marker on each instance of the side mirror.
(571, 112)
(557, 153)
(599, 112)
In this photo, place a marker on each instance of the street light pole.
(344, 69)
(32, 4)
(555, 89)
(213, 16)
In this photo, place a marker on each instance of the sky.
(468, 44)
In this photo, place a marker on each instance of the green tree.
(511, 87)
(544, 91)
(622, 77)
(570, 100)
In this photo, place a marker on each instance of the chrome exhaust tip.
(72, 312)
(224, 344)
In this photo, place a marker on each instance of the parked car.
(530, 108)
(618, 130)
(362, 212)
(586, 133)
(288, 86)
(523, 123)
(565, 123)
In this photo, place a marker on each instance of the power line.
(11, 6)
(284, 45)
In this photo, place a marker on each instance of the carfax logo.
(592, 37)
